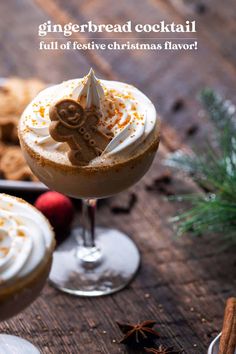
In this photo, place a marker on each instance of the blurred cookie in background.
(15, 94)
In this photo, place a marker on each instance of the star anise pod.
(138, 334)
(163, 350)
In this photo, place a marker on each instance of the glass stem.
(88, 221)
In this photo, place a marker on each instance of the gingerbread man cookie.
(79, 128)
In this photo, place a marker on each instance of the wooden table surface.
(183, 282)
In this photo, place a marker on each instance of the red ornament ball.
(58, 209)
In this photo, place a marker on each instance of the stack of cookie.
(15, 94)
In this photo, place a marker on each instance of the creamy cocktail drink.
(26, 246)
(126, 116)
(90, 139)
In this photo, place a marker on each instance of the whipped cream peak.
(89, 92)
(25, 238)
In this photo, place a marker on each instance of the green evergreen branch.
(214, 171)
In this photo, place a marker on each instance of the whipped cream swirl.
(25, 238)
(91, 91)
(126, 113)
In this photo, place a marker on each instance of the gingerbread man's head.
(69, 112)
(79, 128)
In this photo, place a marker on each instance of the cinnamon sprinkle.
(41, 111)
(4, 251)
(20, 233)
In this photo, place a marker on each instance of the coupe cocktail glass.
(95, 261)
(17, 292)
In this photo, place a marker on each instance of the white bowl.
(214, 346)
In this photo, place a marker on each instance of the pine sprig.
(215, 171)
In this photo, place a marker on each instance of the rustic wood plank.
(216, 22)
(19, 53)
(178, 285)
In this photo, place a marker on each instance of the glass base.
(16, 345)
(94, 271)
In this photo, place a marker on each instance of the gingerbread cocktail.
(89, 139)
(26, 247)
